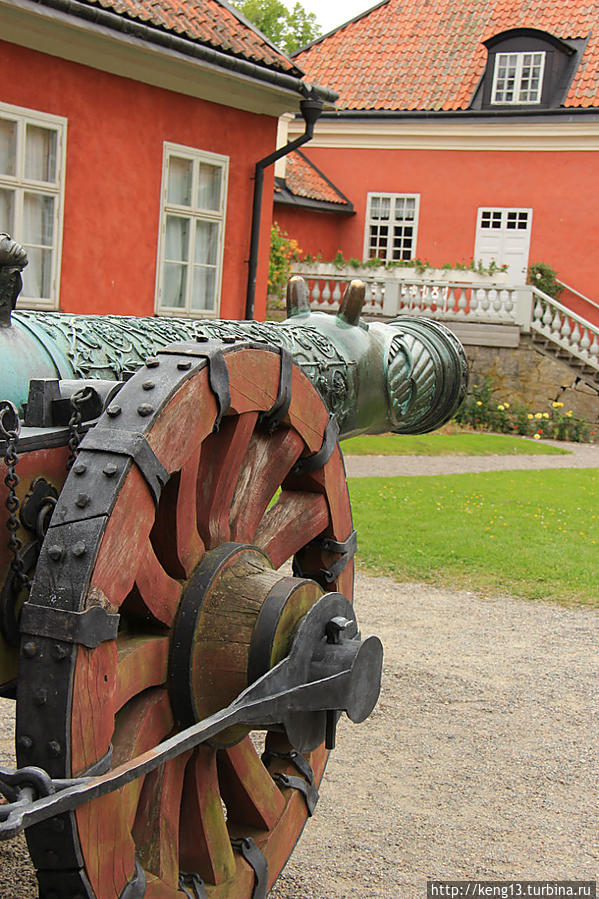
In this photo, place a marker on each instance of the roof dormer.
(527, 68)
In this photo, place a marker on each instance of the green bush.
(544, 277)
(482, 412)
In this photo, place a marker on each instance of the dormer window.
(518, 78)
(527, 69)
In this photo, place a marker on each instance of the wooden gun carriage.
(176, 692)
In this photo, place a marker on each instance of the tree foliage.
(288, 29)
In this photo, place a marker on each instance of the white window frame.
(21, 185)
(392, 221)
(195, 214)
(516, 101)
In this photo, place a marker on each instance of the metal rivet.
(201, 339)
(82, 500)
(80, 468)
(25, 743)
(114, 410)
(79, 548)
(54, 748)
(57, 824)
(40, 697)
(152, 362)
(145, 409)
(60, 652)
(184, 366)
(55, 552)
(29, 649)
(110, 470)
(148, 385)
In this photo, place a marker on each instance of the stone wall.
(527, 376)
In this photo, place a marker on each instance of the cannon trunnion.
(177, 691)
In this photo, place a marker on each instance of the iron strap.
(218, 373)
(133, 444)
(280, 407)
(136, 888)
(256, 860)
(309, 791)
(318, 459)
(89, 628)
(193, 883)
(347, 548)
(305, 783)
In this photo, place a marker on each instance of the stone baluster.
(336, 295)
(508, 302)
(403, 295)
(496, 301)
(547, 317)
(446, 297)
(316, 294)
(556, 325)
(565, 330)
(575, 338)
(485, 302)
(475, 297)
(326, 294)
(585, 343)
(594, 351)
(426, 299)
(537, 315)
(435, 297)
(461, 301)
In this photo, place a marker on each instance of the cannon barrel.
(406, 376)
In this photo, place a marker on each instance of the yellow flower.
(507, 405)
(545, 414)
(537, 436)
(557, 405)
(569, 413)
(500, 407)
(530, 416)
(538, 414)
(478, 403)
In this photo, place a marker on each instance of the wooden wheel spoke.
(267, 462)
(155, 594)
(156, 827)
(251, 796)
(204, 841)
(220, 465)
(105, 824)
(175, 536)
(142, 662)
(296, 518)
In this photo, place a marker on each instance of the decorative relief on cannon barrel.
(407, 376)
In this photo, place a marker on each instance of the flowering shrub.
(284, 250)
(481, 411)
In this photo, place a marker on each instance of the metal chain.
(11, 434)
(75, 436)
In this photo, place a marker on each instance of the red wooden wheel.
(111, 545)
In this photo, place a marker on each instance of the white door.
(503, 236)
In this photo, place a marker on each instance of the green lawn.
(459, 444)
(528, 534)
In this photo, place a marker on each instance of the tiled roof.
(303, 179)
(204, 21)
(429, 55)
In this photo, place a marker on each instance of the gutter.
(311, 109)
(188, 47)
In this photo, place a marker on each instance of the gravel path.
(580, 455)
(481, 758)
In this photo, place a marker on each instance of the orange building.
(129, 136)
(463, 130)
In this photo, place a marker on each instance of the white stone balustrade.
(563, 328)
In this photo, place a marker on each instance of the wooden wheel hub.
(236, 620)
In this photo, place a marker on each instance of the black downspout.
(311, 110)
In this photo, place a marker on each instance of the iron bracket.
(280, 407)
(309, 791)
(305, 783)
(347, 548)
(89, 628)
(195, 883)
(256, 860)
(218, 373)
(134, 445)
(317, 460)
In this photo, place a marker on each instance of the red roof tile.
(303, 179)
(429, 55)
(206, 22)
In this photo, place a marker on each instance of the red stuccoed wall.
(560, 187)
(115, 134)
